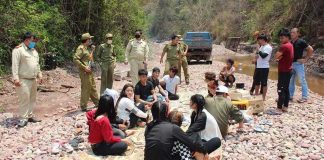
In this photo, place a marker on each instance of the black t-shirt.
(154, 82)
(144, 91)
(299, 46)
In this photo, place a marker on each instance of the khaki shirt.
(222, 109)
(105, 54)
(173, 51)
(138, 50)
(25, 63)
(183, 47)
(82, 57)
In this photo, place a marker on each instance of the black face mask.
(137, 36)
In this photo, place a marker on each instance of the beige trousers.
(27, 97)
(135, 65)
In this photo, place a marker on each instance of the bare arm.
(310, 52)
(278, 55)
(161, 60)
(139, 100)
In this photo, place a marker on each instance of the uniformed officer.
(82, 58)
(106, 57)
(136, 54)
(174, 52)
(25, 71)
(184, 62)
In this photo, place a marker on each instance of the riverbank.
(297, 134)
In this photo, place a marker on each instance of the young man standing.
(171, 83)
(82, 58)
(285, 56)
(262, 67)
(298, 64)
(26, 73)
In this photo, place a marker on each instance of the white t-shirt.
(264, 62)
(125, 107)
(171, 83)
(211, 130)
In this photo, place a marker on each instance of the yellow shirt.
(25, 63)
(137, 49)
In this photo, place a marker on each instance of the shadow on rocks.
(10, 122)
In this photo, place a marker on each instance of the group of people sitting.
(164, 139)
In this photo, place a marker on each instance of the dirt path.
(295, 135)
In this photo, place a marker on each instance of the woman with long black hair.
(160, 136)
(126, 109)
(203, 126)
(101, 137)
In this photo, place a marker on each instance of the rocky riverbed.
(297, 134)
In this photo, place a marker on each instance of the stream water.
(315, 83)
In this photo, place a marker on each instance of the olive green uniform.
(82, 58)
(184, 62)
(106, 58)
(173, 57)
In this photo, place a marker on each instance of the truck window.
(198, 36)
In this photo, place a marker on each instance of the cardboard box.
(256, 104)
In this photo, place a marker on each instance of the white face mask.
(109, 41)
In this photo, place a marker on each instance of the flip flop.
(260, 129)
(303, 100)
(273, 112)
(265, 122)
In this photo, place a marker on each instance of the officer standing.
(106, 57)
(136, 54)
(184, 62)
(174, 52)
(25, 71)
(82, 58)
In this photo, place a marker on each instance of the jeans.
(133, 119)
(172, 96)
(119, 133)
(298, 71)
(104, 149)
(283, 89)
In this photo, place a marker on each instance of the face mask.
(137, 36)
(31, 45)
(109, 41)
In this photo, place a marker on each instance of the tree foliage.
(60, 23)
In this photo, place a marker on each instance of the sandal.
(303, 100)
(260, 129)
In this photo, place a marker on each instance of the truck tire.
(209, 62)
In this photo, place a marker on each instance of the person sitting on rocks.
(126, 108)
(227, 73)
(222, 109)
(160, 92)
(160, 136)
(200, 119)
(101, 137)
(212, 83)
(119, 126)
(171, 82)
(179, 150)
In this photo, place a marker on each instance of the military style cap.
(109, 35)
(180, 37)
(86, 36)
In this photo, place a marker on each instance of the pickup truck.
(199, 46)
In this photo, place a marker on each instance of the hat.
(86, 36)
(109, 35)
(222, 89)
